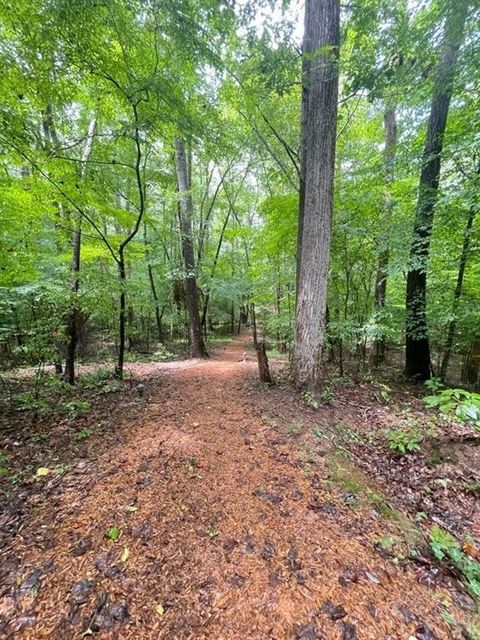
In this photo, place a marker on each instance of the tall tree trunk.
(122, 275)
(74, 318)
(153, 288)
(390, 123)
(417, 356)
(185, 215)
(471, 366)
(457, 293)
(319, 125)
(214, 266)
(232, 318)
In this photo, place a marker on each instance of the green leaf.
(114, 534)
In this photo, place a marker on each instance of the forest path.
(227, 537)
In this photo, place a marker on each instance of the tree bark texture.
(417, 355)
(261, 351)
(318, 136)
(185, 216)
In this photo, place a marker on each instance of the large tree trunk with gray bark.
(319, 126)
(185, 216)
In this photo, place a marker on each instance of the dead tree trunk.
(319, 125)
(417, 355)
(185, 216)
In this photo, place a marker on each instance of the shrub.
(162, 353)
(75, 408)
(29, 401)
(404, 440)
(446, 549)
(310, 400)
(465, 405)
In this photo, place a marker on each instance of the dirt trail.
(222, 541)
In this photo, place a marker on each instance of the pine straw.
(224, 536)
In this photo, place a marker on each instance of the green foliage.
(326, 395)
(75, 408)
(111, 387)
(310, 400)
(404, 441)
(3, 460)
(95, 379)
(114, 534)
(434, 385)
(446, 549)
(383, 392)
(83, 434)
(472, 487)
(465, 405)
(30, 401)
(229, 83)
(162, 354)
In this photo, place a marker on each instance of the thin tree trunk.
(153, 288)
(141, 189)
(185, 215)
(158, 312)
(232, 318)
(417, 355)
(51, 143)
(471, 367)
(319, 125)
(74, 318)
(260, 348)
(122, 274)
(458, 292)
(214, 266)
(390, 123)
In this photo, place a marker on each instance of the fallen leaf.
(160, 609)
(125, 554)
(471, 550)
(42, 472)
(131, 508)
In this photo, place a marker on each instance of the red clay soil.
(223, 536)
